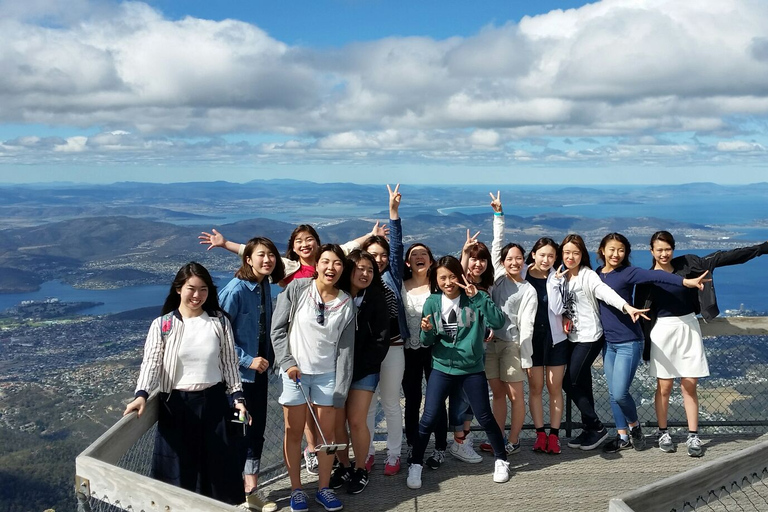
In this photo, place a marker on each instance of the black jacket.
(691, 266)
(371, 334)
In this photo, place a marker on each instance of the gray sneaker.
(694, 446)
(637, 438)
(665, 443)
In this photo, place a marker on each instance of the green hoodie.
(464, 355)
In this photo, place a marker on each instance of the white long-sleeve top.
(577, 300)
(553, 290)
(158, 367)
(518, 301)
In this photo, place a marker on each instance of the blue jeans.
(475, 388)
(620, 362)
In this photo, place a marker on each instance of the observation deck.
(732, 475)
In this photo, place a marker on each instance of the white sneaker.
(465, 452)
(500, 471)
(414, 476)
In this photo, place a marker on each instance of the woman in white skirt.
(676, 349)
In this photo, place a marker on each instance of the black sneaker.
(358, 481)
(637, 438)
(616, 445)
(594, 439)
(576, 442)
(340, 476)
(435, 460)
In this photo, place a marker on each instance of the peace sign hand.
(394, 200)
(426, 324)
(471, 240)
(496, 201)
(469, 288)
(636, 313)
(697, 282)
(561, 271)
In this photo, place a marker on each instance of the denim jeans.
(475, 387)
(578, 380)
(418, 366)
(620, 362)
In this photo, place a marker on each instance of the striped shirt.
(158, 367)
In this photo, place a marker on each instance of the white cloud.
(615, 68)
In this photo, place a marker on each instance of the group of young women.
(369, 317)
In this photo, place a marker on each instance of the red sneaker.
(553, 444)
(541, 443)
(392, 467)
(369, 463)
(486, 447)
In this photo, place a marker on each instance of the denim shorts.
(367, 383)
(319, 389)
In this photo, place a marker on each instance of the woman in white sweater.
(581, 288)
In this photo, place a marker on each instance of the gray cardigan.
(287, 302)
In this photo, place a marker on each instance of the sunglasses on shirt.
(320, 313)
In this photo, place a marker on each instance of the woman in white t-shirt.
(313, 334)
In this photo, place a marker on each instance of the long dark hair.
(578, 242)
(450, 263)
(191, 269)
(301, 228)
(353, 258)
(408, 271)
(245, 272)
(617, 237)
(541, 242)
(480, 251)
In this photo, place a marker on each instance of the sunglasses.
(320, 313)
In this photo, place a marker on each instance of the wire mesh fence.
(733, 399)
(748, 494)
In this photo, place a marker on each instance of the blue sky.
(616, 91)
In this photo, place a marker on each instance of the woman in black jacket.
(362, 280)
(676, 348)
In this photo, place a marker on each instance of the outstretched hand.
(471, 241)
(697, 282)
(469, 288)
(382, 230)
(496, 201)
(636, 313)
(213, 239)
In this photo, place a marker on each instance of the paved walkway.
(574, 481)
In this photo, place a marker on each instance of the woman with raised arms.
(624, 338)
(450, 325)
(313, 334)
(580, 289)
(247, 299)
(190, 357)
(676, 349)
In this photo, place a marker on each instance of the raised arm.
(382, 230)
(216, 239)
(556, 288)
(396, 260)
(498, 235)
(735, 256)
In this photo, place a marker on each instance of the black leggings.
(578, 381)
(418, 365)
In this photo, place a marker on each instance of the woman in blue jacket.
(247, 299)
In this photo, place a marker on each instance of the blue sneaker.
(327, 498)
(298, 501)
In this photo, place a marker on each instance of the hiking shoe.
(327, 498)
(575, 442)
(553, 444)
(465, 452)
(298, 501)
(616, 445)
(369, 460)
(637, 438)
(594, 439)
(340, 476)
(414, 476)
(435, 460)
(511, 448)
(310, 461)
(694, 446)
(255, 500)
(541, 443)
(358, 481)
(486, 447)
(392, 467)
(665, 443)
(501, 471)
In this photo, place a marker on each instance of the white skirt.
(677, 349)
